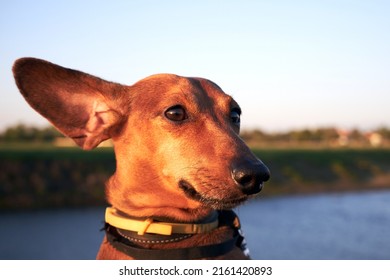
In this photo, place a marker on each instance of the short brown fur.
(153, 153)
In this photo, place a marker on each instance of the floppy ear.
(79, 105)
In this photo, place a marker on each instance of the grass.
(46, 151)
(322, 170)
(44, 176)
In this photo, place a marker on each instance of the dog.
(180, 163)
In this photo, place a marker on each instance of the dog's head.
(176, 139)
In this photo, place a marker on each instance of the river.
(327, 226)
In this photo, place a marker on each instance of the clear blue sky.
(290, 64)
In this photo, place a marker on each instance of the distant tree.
(254, 136)
(48, 134)
(301, 135)
(23, 133)
(357, 136)
(327, 134)
(385, 132)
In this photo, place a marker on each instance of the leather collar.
(130, 245)
(120, 221)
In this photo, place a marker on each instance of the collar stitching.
(153, 241)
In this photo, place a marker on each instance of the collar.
(120, 221)
(127, 246)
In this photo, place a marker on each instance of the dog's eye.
(235, 116)
(176, 113)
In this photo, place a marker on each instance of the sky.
(289, 64)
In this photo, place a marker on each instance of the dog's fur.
(176, 142)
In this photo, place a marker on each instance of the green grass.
(19, 152)
(300, 170)
(44, 176)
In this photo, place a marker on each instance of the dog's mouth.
(218, 204)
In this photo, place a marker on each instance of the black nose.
(250, 176)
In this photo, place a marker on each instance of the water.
(331, 226)
(57, 234)
(337, 226)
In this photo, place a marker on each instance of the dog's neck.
(198, 241)
(137, 203)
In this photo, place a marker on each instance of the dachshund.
(181, 165)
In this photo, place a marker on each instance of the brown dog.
(180, 162)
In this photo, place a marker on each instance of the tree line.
(330, 135)
(24, 133)
(320, 136)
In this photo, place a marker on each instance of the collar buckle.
(114, 218)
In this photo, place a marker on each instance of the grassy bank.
(326, 170)
(43, 176)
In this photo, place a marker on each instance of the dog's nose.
(250, 176)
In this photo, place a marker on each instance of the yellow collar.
(114, 218)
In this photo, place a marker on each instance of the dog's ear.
(79, 105)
